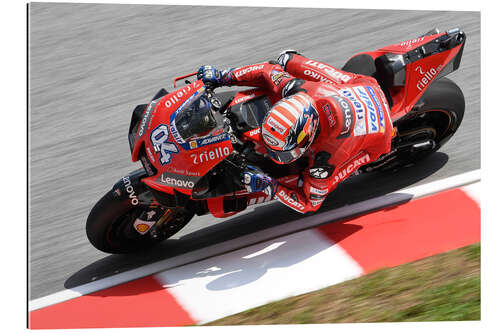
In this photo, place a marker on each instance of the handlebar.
(210, 87)
(183, 77)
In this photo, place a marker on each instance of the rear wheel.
(432, 122)
(110, 225)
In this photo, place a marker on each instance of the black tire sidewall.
(103, 215)
(444, 94)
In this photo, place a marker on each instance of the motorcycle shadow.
(355, 189)
(241, 268)
(246, 266)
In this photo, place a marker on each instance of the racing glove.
(257, 181)
(213, 76)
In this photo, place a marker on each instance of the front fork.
(152, 215)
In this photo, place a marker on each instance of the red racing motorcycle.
(193, 144)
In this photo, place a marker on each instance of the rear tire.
(110, 226)
(436, 116)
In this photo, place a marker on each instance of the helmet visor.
(284, 157)
(288, 156)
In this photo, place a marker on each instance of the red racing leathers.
(355, 126)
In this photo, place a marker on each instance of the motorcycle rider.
(340, 119)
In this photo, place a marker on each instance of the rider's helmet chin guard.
(290, 127)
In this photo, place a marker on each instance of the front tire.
(110, 226)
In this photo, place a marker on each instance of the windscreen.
(196, 119)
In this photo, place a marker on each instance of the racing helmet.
(290, 127)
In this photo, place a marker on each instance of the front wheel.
(110, 225)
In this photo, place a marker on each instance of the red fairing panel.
(404, 47)
(180, 163)
(420, 74)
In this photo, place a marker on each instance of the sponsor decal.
(143, 226)
(212, 139)
(179, 181)
(150, 214)
(274, 124)
(379, 108)
(270, 140)
(278, 76)
(317, 76)
(176, 97)
(411, 42)
(175, 133)
(147, 113)
(210, 155)
(351, 167)
(243, 71)
(183, 172)
(130, 190)
(244, 98)
(381, 93)
(147, 166)
(359, 111)
(347, 116)
(193, 144)
(218, 131)
(150, 155)
(319, 173)
(427, 76)
(316, 202)
(318, 191)
(329, 114)
(254, 132)
(332, 72)
(373, 124)
(159, 140)
(290, 200)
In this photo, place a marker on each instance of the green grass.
(442, 287)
